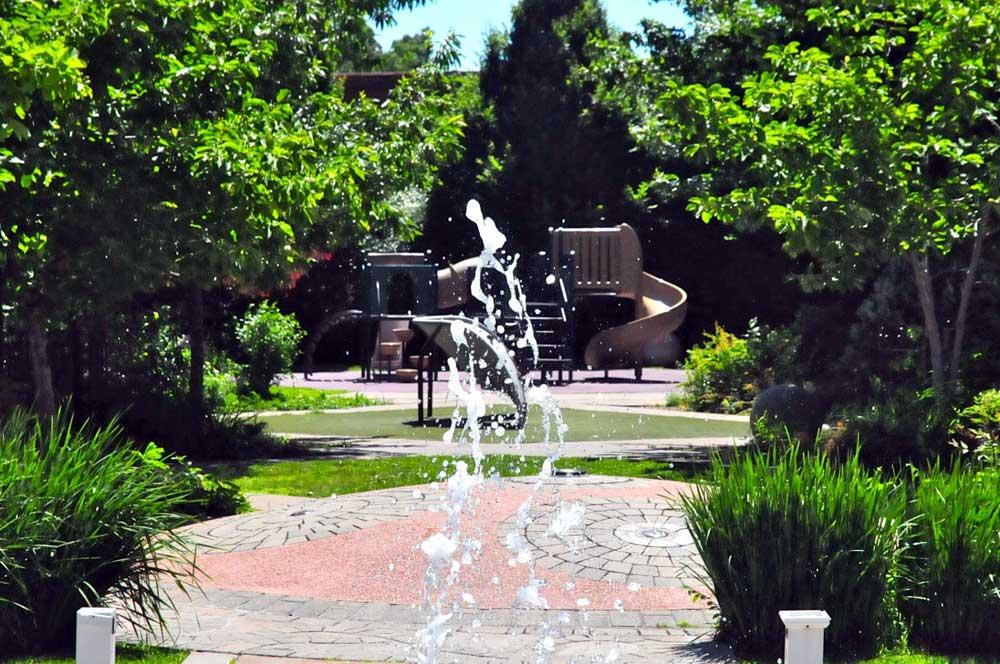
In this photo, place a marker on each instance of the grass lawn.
(296, 398)
(923, 659)
(125, 653)
(326, 477)
(583, 425)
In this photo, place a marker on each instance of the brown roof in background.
(377, 84)
(374, 85)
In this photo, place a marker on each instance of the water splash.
(443, 569)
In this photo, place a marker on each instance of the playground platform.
(653, 389)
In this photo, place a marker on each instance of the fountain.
(476, 348)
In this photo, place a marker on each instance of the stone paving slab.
(226, 624)
(209, 658)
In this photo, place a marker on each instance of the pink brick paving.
(342, 578)
(382, 563)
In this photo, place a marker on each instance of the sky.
(473, 19)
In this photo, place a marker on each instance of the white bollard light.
(804, 636)
(95, 636)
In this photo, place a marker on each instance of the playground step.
(554, 361)
(407, 375)
(416, 363)
(388, 348)
(550, 347)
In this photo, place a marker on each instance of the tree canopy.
(878, 140)
(178, 142)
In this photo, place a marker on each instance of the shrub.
(786, 530)
(205, 495)
(222, 383)
(894, 430)
(956, 563)
(774, 352)
(80, 517)
(977, 427)
(719, 374)
(726, 371)
(172, 423)
(269, 339)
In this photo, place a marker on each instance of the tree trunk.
(967, 285)
(925, 292)
(41, 370)
(196, 335)
(3, 335)
(95, 337)
(76, 359)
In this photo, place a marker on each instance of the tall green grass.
(955, 604)
(786, 530)
(80, 517)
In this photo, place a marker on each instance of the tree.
(881, 142)
(408, 52)
(215, 144)
(558, 159)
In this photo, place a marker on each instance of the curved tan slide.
(453, 283)
(660, 308)
(608, 261)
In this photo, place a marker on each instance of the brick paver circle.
(313, 520)
(610, 545)
(279, 582)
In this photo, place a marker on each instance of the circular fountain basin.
(654, 534)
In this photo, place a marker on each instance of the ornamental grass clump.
(81, 518)
(786, 530)
(955, 605)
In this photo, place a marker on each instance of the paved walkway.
(667, 449)
(343, 578)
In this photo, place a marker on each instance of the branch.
(967, 285)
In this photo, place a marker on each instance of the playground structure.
(608, 262)
(582, 262)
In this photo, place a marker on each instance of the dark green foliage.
(80, 516)
(558, 159)
(269, 340)
(775, 352)
(956, 561)
(171, 422)
(205, 495)
(789, 409)
(143, 380)
(897, 429)
(787, 530)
